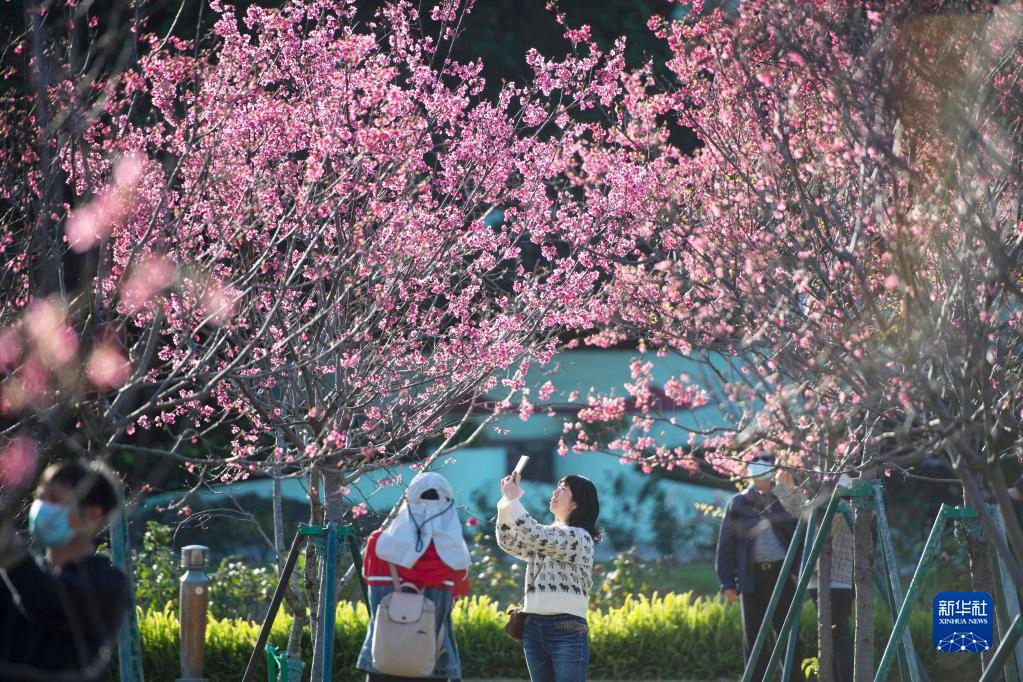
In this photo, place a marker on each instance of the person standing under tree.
(60, 614)
(423, 546)
(559, 575)
(754, 537)
(841, 567)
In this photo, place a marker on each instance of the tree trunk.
(975, 497)
(1013, 531)
(293, 595)
(863, 581)
(825, 634)
(310, 586)
(983, 581)
(333, 510)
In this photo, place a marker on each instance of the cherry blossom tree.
(308, 236)
(306, 246)
(843, 250)
(95, 304)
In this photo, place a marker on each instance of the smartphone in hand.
(520, 467)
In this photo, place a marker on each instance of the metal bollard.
(194, 599)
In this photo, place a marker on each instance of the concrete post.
(194, 599)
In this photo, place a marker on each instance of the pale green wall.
(482, 466)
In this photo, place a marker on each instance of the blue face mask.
(48, 523)
(759, 470)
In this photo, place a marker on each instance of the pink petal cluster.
(17, 462)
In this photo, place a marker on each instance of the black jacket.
(734, 560)
(64, 620)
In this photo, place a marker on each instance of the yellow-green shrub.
(670, 636)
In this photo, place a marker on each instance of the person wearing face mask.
(559, 575)
(754, 537)
(60, 613)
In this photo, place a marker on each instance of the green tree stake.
(1004, 651)
(932, 546)
(328, 602)
(790, 651)
(129, 646)
(772, 605)
(823, 535)
(1007, 606)
(909, 664)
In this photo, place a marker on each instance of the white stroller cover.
(424, 521)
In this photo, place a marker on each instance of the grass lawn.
(698, 576)
(663, 577)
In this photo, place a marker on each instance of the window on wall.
(541, 459)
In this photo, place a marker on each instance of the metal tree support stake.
(910, 667)
(863, 493)
(930, 549)
(790, 557)
(1005, 650)
(326, 539)
(328, 601)
(271, 613)
(129, 645)
(797, 600)
(194, 601)
(790, 651)
(1003, 656)
(1008, 606)
(282, 666)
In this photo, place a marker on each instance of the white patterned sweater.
(559, 574)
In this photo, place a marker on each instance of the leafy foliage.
(491, 574)
(646, 637)
(156, 572)
(237, 590)
(627, 575)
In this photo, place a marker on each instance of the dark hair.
(91, 484)
(587, 506)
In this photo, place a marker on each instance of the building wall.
(635, 507)
(627, 496)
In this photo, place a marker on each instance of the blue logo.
(963, 622)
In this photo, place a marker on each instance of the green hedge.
(648, 638)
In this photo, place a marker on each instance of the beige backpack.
(405, 638)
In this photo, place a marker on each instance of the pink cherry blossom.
(54, 340)
(107, 367)
(18, 462)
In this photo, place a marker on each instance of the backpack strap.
(394, 577)
(441, 637)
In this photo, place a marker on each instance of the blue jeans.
(557, 648)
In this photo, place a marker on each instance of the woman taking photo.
(559, 575)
